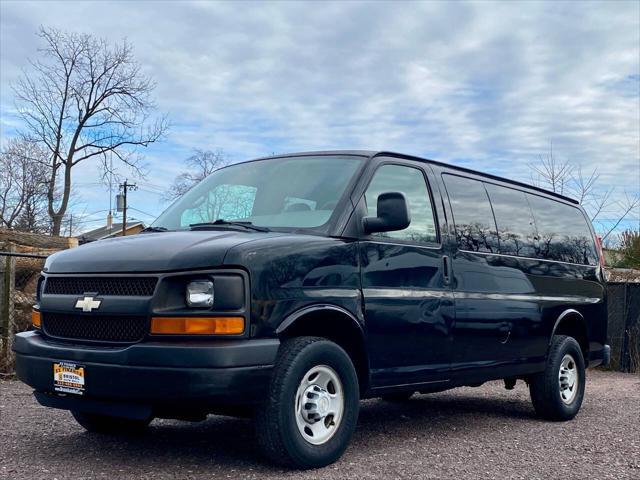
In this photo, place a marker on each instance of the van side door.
(498, 318)
(407, 300)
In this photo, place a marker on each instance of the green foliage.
(630, 249)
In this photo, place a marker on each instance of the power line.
(160, 187)
(144, 213)
(152, 191)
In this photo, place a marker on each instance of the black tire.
(397, 397)
(96, 423)
(544, 387)
(276, 427)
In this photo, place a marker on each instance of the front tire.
(311, 408)
(95, 423)
(557, 393)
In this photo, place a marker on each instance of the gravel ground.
(484, 432)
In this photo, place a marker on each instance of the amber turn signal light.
(197, 325)
(36, 319)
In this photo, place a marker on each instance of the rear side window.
(411, 182)
(563, 232)
(472, 214)
(514, 219)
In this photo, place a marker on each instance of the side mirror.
(393, 214)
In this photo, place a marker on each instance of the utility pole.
(125, 187)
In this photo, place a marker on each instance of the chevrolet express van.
(291, 287)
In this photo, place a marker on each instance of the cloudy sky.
(486, 85)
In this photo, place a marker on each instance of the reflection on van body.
(328, 277)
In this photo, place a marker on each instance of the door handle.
(445, 269)
(505, 332)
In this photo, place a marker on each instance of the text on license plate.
(68, 378)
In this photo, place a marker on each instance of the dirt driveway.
(484, 432)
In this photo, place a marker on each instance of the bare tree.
(622, 209)
(199, 166)
(23, 186)
(83, 99)
(568, 179)
(555, 173)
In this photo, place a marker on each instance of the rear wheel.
(95, 423)
(311, 410)
(557, 393)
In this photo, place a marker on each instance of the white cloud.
(487, 84)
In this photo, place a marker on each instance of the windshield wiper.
(221, 223)
(154, 229)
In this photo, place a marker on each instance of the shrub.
(630, 249)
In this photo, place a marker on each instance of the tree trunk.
(66, 192)
(57, 224)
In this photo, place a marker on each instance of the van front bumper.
(150, 375)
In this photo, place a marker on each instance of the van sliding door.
(495, 304)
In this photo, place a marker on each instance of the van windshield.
(292, 192)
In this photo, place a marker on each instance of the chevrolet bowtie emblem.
(87, 304)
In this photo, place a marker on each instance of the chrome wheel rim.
(319, 404)
(568, 379)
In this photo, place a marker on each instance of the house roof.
(105, 232)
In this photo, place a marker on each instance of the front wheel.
(557, 393)
(96, 423)
(311, 408)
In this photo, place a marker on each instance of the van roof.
(376, 153)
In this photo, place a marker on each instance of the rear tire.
(95, 423)
(311, 408)
(557, 393)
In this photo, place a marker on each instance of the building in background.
(110, 231)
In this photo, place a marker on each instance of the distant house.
(109, 231)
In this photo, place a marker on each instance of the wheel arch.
(334, 323)
(572, 323)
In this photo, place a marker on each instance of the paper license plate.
(68, 378)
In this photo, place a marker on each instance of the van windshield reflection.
(291, 192)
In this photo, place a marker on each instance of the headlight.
(200, 293)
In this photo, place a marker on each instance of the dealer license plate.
(68, 378)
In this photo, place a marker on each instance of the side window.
(516, 226)
(472, 214)
(411, 182)
(563, 232)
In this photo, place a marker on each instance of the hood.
(152, 252)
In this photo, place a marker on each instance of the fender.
(564, 315)
(292, 318)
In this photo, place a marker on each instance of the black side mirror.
(393, 214)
